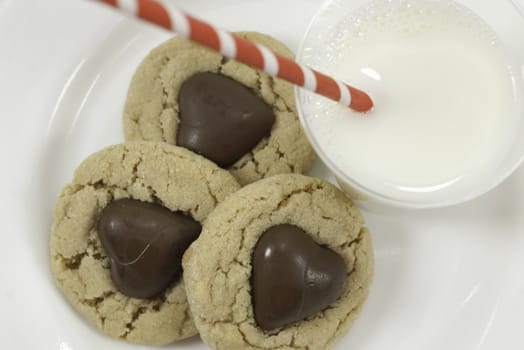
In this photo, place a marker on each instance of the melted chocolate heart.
(220, 118)
(145, 243)
(293, 277)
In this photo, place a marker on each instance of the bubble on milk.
(412, 17)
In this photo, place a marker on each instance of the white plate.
(446, 279)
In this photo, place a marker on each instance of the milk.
(445, 101)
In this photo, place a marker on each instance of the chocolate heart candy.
(145, 243)
(293, 277)
(220, 118)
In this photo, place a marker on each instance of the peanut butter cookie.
(290, 268)
(120, 230)
(240, 118)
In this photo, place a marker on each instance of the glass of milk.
(446, 78)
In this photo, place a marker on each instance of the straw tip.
(360, 101)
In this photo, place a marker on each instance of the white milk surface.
(444, 100)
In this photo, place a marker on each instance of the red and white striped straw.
(165, 14)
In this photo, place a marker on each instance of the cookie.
(290, 268)
(114, 272)
(239, 117)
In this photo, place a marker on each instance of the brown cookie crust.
(151, 110)
(218, 279)
(146, 171)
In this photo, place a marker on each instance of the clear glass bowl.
(505, 17)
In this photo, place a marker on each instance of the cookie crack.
(281, 155)
(135, 119)
(309, 189)
(211, 296)
(96, 301)
(161, 300)
(212, 195)
(349, 314)
(293, 343)
(130, 326)
(73, 262)
(208, 178)
(165, 61)
(67, 209)
(354, 241)
(241, 332)
(246, 159)
(134, 170)
(229, 317)
(239, 262)
(258, 89)
(155, 199)
(185, 321)
(224, 60)
(94, 249)
(164, 108)
(288, 108)
(351, 244)
(99, 184)
(256, 163)
(166, 104)
(244, 338)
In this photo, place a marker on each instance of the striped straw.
(165, 14)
